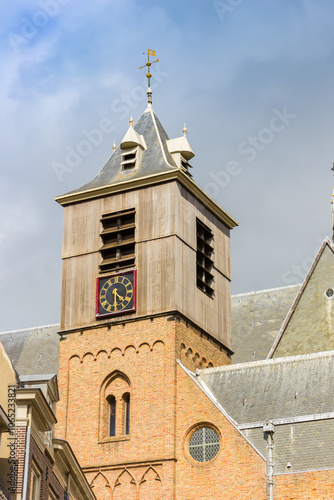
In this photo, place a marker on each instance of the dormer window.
(181, 152)
(185, 165)
(129, 158)
(132, 145)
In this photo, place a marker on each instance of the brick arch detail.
(75, 357)
(194, 357)
(143, 345)
(150, 485)
(90, 356)
(97, 476)
(101, 487)
(150, 468)
(128, 488)
(102, 351)
(158, 343)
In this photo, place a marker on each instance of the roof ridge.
(265, 290)
(153, 115)
(265, 362)
(29, 329)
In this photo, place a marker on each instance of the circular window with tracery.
(204, 444)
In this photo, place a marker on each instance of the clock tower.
(146, 281)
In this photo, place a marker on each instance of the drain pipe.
(26, 456)
(68, 486)
(269, 429)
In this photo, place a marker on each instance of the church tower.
(146, 281)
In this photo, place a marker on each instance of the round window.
(329, 293)
(204, 444)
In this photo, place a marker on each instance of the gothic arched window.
(115, 407)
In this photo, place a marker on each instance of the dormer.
(132, 146)
(181, 152)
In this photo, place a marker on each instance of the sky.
(252, 80)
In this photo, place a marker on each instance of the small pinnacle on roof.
(148, 75)
(184, 130)
(131, 121)
(114, 147)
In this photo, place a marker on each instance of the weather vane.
(148, 74)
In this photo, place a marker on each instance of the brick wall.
(48, 479)
(153, 461)
(138, 357)
(314, 485)
(237, 472)
(20, 446)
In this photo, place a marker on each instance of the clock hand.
(116, 294)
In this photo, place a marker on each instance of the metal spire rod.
(148, 74)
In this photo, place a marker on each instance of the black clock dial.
(116, 294)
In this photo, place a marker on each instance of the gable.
(256, 320)
(309, 324)
(237, 456)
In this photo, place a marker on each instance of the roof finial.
(148, 75)
(184, 130)
(114, 147)
(131, 121)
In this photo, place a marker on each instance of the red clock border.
(116, 313)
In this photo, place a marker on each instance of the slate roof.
(308, 326)
(156, 158)
(305, 446)
(294, 392)
(256, 320)
(274, 389)
(33, 350)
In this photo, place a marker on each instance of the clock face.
(116, 294)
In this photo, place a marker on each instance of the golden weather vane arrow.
(148, 74)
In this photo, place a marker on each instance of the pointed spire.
(148, 76)
(184, 130)
(131, 121)
(114, 147)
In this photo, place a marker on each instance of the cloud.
(223, 78)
